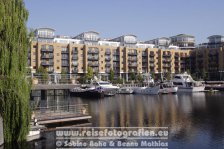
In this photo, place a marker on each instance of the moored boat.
(147, 90)
(126, 90)
(168, 87)
(185, 83)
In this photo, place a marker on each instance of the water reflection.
(194, 120)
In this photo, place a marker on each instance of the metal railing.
(59, 112)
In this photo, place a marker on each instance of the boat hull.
(191, 89)
(147, 90)
(170, 90)
(126, 91)
(88, 93)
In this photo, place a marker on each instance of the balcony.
(144, 60)
(107, 53)
(116, 60)
(132, 59)
(74, 63)
(133, 53)
(47, 63)
(47, 50)
(74, 52)
(74, 57)
(107, 64)
(132, 64)
(47, 56)
(152, 55)
(166, 60)
(64, 57)
(144, 55)
(151, 60)
(116, 53)
(107, 59)
(65, 64)
(93, 52)
(167, 55)
(93, 58)
(64, 51)
(93, 64)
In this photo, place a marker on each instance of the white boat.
(168, 87)
(185, 83)
(147, 90)
(107, 87)
(126, 90)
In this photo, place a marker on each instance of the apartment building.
(208, 58)
(124, 55)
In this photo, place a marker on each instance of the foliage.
(44, 74)
(133, 77)
(140, 78)
(89, 74)
(14, 88)
(120, 80)
(64, 77)
(111, 75)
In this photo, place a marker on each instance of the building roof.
(183, 35)
(215, 36)
(45, 28)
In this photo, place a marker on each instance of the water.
(194, 120)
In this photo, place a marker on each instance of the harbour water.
(194, 120)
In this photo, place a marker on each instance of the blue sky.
(148, 19)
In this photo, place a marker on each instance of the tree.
(140, 78)
(14, 88)
(44, 74)
(89, 74)
(133, 77)
(111, 75)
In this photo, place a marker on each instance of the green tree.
(133, 77)
(140, 78)
(43, 74)
(111, 75)
(14, 88)
(64, 76)
(89, 74)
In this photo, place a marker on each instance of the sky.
(147, 19)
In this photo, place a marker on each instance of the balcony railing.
(93, 52)
(132, 53)
(74, 57)
(47, 50)
(107, 64)
(107, 52)
(94, 58)
(107, 58)
(132, 59)
(132, 64)
(65, 64)
(47, 63)
(47, 56)
(93, 64)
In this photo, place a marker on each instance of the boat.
(107, 88)
(126, 90)
(185, 83)
(167, 87)
(89, 92)
(154, 90)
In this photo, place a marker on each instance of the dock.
(54, 86)
(62, 114)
